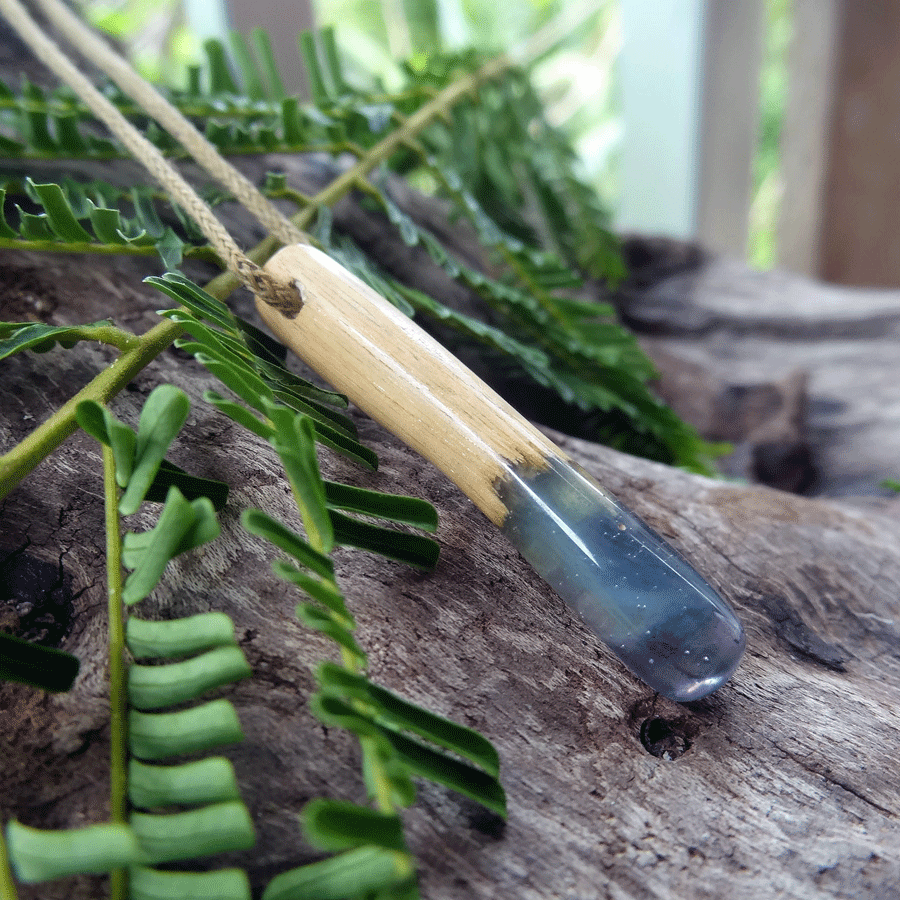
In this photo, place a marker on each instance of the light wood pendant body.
(404, 379)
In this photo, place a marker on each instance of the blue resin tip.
(630, 587)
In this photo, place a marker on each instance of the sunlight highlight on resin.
(630, 587)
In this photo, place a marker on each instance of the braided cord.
(281, 295)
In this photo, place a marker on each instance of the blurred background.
(764, 129)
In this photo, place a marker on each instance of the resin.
(629, 586)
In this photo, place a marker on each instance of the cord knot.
(281, 295)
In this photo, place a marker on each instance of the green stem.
(26, 455)
(118, 702)
(7, 885)
(52, 245)
(109, 334)
(408, 129)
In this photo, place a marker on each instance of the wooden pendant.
(630, 587)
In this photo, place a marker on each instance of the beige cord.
(93, 48)
(281, 295)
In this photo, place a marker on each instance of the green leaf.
(323, 621)
(208, 780)
(321, 415)
(436, 766)
(396, 508)
(221, 81)
(277, 375)
(266, 57)
(182, 526)
(218, 828)
(41, 667)
(60, 217)
(178, 637)
(412, 549)
(221, 884)
(146, 213)
(333, 711)
(389, 765)
(224, 345)
(10, 148)
(70, 139)
(338, 825)
(162, 417)
(170, 248)
(354, 873)
(409, 233)
(39, 855)
(265, 348)
(5, 230)
(192, 487)
(104, 427)
(183, 291)
(340, 443)
(155, 736)
(291, 124)
(294, 441)
(35, 123)
(239, 414)
(332, 59)
(423, 19)
(263, 525)
(18, 336)
(309, 52)
(325, 592)
(153, 687)
(32, 227)
(401, 714)
(91, 417)
(249, 72)
(245, 383)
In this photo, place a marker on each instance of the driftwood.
(781, 784)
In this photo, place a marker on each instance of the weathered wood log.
(782, 784)
(794, 369)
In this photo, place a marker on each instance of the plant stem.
(7, 885)
(109, 334)
(204, 253)
(118, 701)
(406, 131)
(26, 455)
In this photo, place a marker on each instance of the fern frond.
(189, 658)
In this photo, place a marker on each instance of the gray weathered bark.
(781, 784)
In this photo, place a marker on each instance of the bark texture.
(782, 784)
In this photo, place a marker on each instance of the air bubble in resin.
(630, 587)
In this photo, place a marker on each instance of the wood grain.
(403, 378)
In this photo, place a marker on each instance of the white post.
(805, 135)
(660, 71)
(690, 97)
(730, 123)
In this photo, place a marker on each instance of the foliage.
(187, 657)
(481, 143)
(492, 155)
